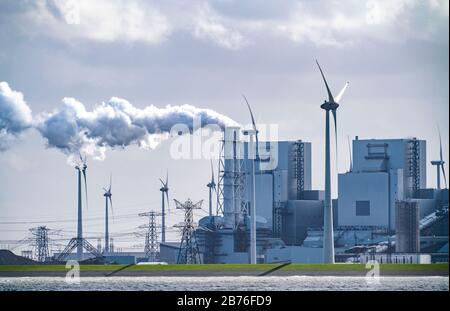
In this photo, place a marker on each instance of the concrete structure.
(384, 171)
(168, 252)
(285, 203)
(407, 234)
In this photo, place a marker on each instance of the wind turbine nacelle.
(329, 106)
(249, 132)
(437, 162)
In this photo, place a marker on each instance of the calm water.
(290, 283)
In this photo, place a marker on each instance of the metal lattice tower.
(221, 168)
(41, 243)
(151, 248)
(414, 164)
(189, 252)
(300, 168)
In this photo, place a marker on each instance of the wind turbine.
(440, 165)
(350, 154)
(212, 187)
(252, 133)
(329, 105)
(165, 194)
(81, 169)
(108, 200)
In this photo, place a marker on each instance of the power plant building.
(384, 171)
(285, 203)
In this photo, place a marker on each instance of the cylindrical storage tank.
(407, 231)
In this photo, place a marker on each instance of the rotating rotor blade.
(85, 186)
(167, 179)
(251, 113)
(330, 96)
(254, 125)
(110, 182)
(212, 173)
(336, 137)
(167, 199)
(111, 204)
(350, 153)
(441, 158)
(162, 182)
(339, 96)
(445, 177)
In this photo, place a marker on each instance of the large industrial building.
(289, 214)
(384, 171)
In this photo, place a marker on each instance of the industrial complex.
(263, 209)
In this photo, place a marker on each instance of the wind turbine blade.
(339, 96)
(167, 179)
(254, 125)
(110, 182)
(330, 96)
(105, 189)
(162, 182)
(85, 187)
(212, 172)
(167, 199)
(251, 113)
(443, 173)
(112, 210)
(350, 153)
(441, 156)
(335, 137)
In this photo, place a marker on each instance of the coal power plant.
(261, 205)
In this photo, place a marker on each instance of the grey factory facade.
(383, 177)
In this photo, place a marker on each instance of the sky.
(103, 63)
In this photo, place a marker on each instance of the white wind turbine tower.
(79, 242)
(331, 105)
(81, 170)
(440, 165)
(252, 154)
(212, 187)
(108, 204)
(165, 195)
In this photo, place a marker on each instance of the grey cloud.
(15, 115)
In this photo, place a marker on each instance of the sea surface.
(241, 283)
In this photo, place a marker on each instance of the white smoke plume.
(15, 115)
(114, 124)
(117, 124)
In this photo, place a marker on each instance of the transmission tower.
(151, 236)
(189, 253)
(41, 243)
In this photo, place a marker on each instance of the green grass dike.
(230, 267)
